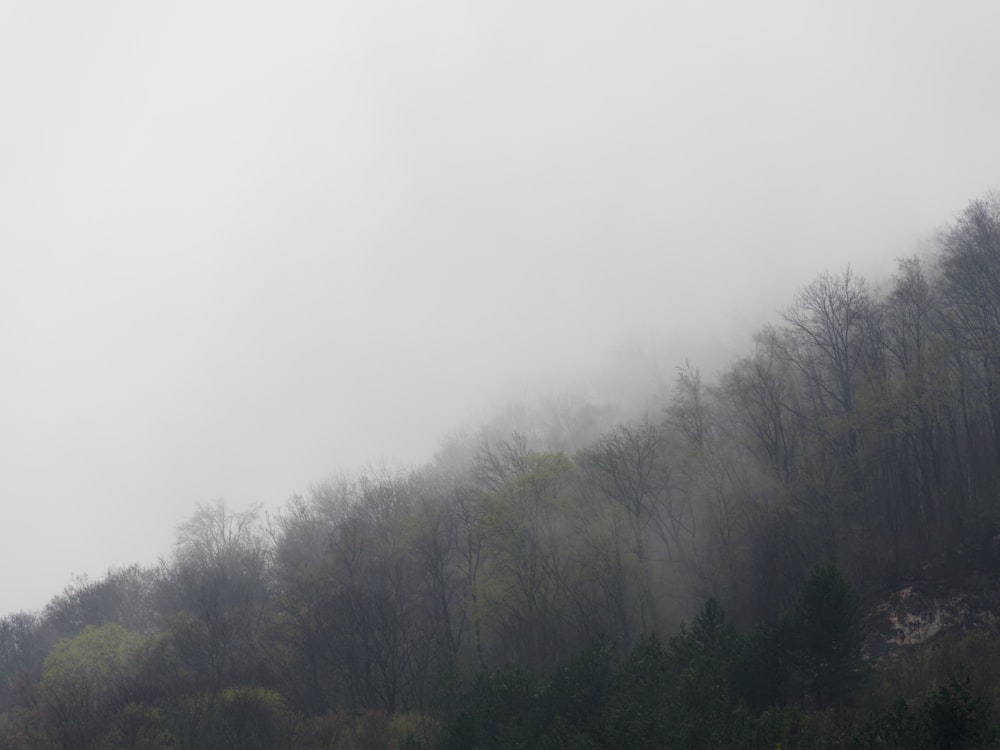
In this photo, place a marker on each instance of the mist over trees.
(607, 582)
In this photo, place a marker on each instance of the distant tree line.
(521, 589)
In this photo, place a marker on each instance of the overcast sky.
(244, 245)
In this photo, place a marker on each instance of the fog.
(244, 245)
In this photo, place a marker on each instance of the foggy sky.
(244, 245)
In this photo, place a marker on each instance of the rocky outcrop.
(928, 611)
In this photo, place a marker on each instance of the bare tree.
(628, 467)
(762, 393)
(503, 460)
(218, 581)
(971, 293)
(825, 327)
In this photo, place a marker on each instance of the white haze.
(244, 245)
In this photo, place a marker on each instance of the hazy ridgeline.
(861, 432)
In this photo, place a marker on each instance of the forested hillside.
(697, 578)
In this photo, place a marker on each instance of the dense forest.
(695, 578)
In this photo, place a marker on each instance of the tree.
(85, 678)
(971, 293)
(717, 472)
(384, 638)
(828, 636)
(954, 717)
(126, 596)
(217, 585)
(825, 327)
(502, 460)
(912, 336)
(831, 343)
(300, 632)
(21, 647)
(762, 393)
(628, 467)
(523, 586)
(433, 539)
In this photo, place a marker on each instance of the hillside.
(776, 556)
